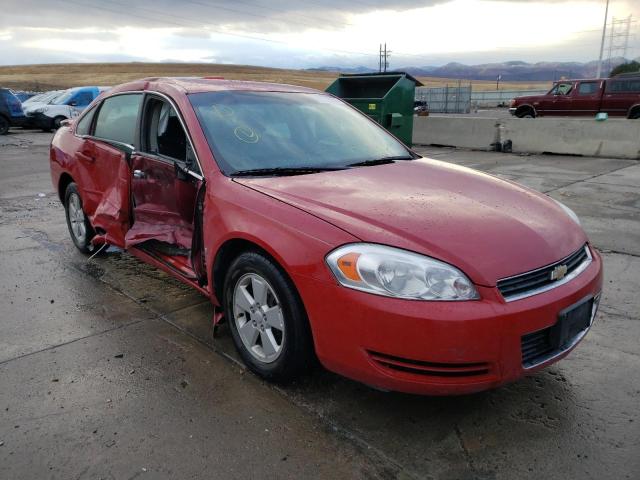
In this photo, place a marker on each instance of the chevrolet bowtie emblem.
(558, 272)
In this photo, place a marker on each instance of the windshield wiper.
(380, 161)
(283, 171)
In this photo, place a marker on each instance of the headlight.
(397, 273)
(567, 210)
(40, 110)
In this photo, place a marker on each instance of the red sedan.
(320, 235)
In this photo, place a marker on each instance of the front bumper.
(18, 121)
(435, 348)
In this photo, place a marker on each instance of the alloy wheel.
(258, 317)
(77, 218)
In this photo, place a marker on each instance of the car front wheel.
(266, 317)
(79, 227)
(4, 125)
(57, 122)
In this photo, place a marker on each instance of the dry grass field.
(58, 76)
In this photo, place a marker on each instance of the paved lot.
(108, 368)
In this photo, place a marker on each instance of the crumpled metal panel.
(111, 215)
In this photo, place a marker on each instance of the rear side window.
(588, 88)
(118, 118)
(624, 86)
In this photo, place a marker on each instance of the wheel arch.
(227, 252)
(633, 110)
(63, 183)
(524, 107)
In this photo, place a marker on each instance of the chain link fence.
(449, 99)
(500, 98)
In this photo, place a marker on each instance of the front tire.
(4, 125)
(57, 122)
(267, 319)
(79, 227)
(526, 114)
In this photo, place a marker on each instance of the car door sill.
(174, 270)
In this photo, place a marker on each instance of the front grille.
(434, 369)
(538, 280)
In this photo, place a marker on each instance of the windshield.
(62, 97)
(43, 97)
(265, 130)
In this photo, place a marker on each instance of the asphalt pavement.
(108, 367)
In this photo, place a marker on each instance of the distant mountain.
(359, 69)
(511, 71)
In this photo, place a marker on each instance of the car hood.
(488, 227)
(527, 99)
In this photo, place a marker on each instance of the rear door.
(620, 95)
(165, 182)
(109, 134)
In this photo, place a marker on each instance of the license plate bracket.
(571, 321)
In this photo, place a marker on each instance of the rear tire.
(80, 229)
(635, 115)
(4, 125)
(268, 323)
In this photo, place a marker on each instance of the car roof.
(208, 84)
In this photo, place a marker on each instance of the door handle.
(139, 174)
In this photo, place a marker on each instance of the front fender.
(297, 240)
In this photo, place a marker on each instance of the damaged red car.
(321, 236)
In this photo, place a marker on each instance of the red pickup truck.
(618, 96)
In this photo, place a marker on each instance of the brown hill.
(58, 76)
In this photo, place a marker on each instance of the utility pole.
(604, 31)
(384, 58)
(619, 32)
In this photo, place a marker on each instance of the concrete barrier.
(614, 138)
(475, 133)
(617, 138)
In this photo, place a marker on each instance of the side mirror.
(191, 162)
(73, 104)
(181, 170)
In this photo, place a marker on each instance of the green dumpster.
(387, 97)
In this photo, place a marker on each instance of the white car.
(41, 98)
(67, 104)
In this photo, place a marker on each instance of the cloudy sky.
(306, 33)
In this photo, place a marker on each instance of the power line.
(192, 23)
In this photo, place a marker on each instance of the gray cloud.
(259, 15)
(197, 20)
